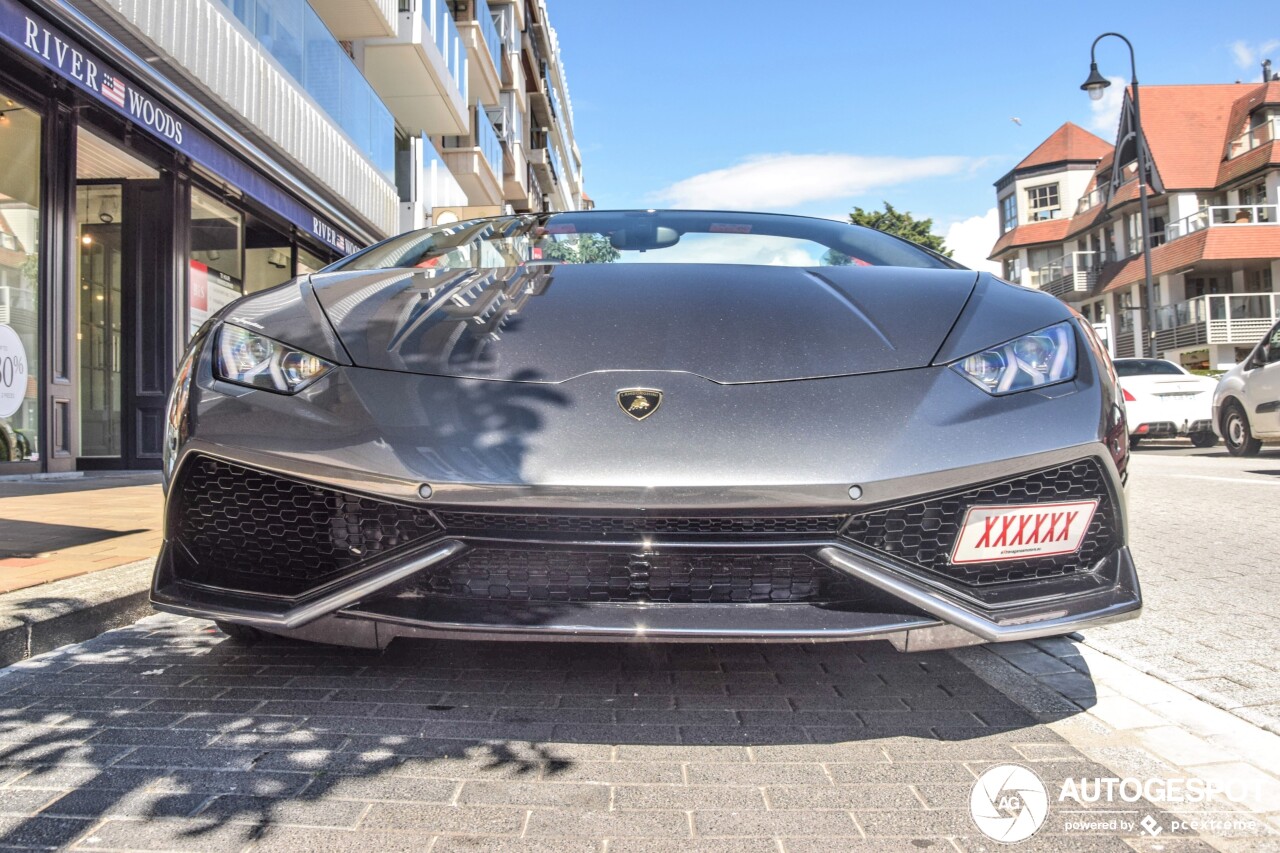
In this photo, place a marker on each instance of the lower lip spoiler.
(336, 616)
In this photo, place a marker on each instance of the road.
(1206, 539)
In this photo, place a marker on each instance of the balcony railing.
(1091, 200)
(489, 33)
(488, 142)
(292, 33)
(1224, 215)
(1073, 273)
(1221, 318)
(1253, 138)
(449, 42)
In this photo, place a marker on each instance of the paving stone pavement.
(166, 735)
(1205, 533)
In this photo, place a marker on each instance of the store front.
(123, 227)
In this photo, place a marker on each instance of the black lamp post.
(1095, 86)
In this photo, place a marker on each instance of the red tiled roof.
(1187, 128)
(1068, 143)
(1048, 231)
(1232, 242)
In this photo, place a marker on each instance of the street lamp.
(1095, 86)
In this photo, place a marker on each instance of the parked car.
(647, 426)
(1163, 400)
(1246, 404)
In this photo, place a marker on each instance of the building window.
(1008, 212)
(19, 283)
(1042, 201)
(216, 271)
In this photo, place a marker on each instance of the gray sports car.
(647, 425)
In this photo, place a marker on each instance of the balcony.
(358, 19)
(1223, 216)
(476, 161)
(484, 47)
(1254, 137)
(421, 73)
(1070, 278)
(1220, 318)
(425, 183)
(1091, 200)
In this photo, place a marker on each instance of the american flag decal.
(113, 89)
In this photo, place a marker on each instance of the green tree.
(586, 249)
(901, 224)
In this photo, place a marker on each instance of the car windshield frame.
(642, 236)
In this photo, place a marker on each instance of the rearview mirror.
(642, 237)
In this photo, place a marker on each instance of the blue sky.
(819, 105)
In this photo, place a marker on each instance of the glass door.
(101, 330)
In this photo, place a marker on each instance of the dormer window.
(1042, 202)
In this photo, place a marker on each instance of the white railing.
(1223, 215)
(1091, 200)
(1224, 318)
(1075, 272)
(1253, 138)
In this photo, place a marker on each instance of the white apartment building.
(1070, 222)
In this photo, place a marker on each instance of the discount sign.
(13, 371)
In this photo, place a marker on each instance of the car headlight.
(247, 358)
(1031, 361)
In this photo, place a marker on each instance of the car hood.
(727, 323)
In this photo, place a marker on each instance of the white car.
(1246, 405)
(1163, 400)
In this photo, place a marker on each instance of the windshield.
(640, 237)
(1146, 367)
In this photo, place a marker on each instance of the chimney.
(1266, 70)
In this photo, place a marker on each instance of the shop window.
(268, 256)
(308, 263)
(19, 274)
(216, 274)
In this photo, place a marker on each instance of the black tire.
(1236, 433)
(1204, 439)
(1134, 441)
(243, 634)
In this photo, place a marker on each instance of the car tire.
(1204, 439)
(1134, 441)
(242, 634)
(1236, 432)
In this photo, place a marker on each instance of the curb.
(41, 618)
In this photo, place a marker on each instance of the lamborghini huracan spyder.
(647, 425)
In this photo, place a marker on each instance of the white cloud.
(1248, 55)
(782, 181)
(970, 240)
(1106, 112)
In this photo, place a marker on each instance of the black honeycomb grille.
(246, 529)
(924, 533)
(516, 525)
(538, 575)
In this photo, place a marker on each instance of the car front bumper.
(526, 572)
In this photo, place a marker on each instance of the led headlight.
(1031, 361)
(247, 358)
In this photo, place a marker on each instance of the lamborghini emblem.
(639, 403)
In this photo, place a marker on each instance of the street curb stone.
(41, 618)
